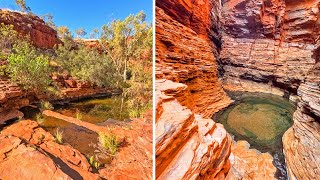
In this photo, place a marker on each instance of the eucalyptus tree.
(23, 5)
(126, 40)
(81, 32)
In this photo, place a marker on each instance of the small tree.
(48, 18)
(81, 32)
(23, 6)
(125, 39)
(28, 68)
(64, 32)
(94, 33)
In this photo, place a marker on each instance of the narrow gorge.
(209, 55)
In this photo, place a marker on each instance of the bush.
(46, 105)
(59, 135)
(39, 118)
(109, 142)
(88, 64)
(28, 68)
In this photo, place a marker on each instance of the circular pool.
(261, 119)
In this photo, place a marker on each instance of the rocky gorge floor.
(27, 150)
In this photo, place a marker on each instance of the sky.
(85, 14)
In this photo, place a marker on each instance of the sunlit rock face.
(268, 45)
(302, 141)
(187, 49)
(272, 46)
(41, 35)
(188, 146)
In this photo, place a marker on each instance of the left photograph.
(76, 89)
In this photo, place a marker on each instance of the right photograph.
(237, 90)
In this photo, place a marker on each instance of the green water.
(99, 111)
(261, 119)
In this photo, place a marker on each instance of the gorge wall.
(269, 46)
(40, 34)
(178, 24)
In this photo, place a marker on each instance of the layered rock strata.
(267, 45)
(185, 52)
(13, 97)
(250, 163)
(188, 146)
(302, 141)
(40, 34)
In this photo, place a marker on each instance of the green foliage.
(109, 142)
(94, 163)
(8, 37)
(23, 6)
(78, 115)
(46, 105)
(39, 118)
(28, 67)
(94, 33)
(127, 39)
(81, 32)
(88, 65)
(64, 32)
(59, 136)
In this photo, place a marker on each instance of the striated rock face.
(41, 34)
(249, 163)
(29, 147)
(186, 54)
(266, 64)
(271, 46)
(188, 146)
(302, 141)
(268, 45)
(12, 97)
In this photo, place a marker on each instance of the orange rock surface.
(134, 160)
(188, 146)
(193, 64)
(27, 147)
(41, 34)
(302, 141)
(249, 163)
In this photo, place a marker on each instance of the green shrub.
(78, 115)
(46, 105)
(39, 118)
(59, 136)
(109, 142)
(94, 163)
(28, 68)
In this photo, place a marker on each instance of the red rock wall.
(268, 42)
(270, 46)
(185, 53)
(41, 34)
(302, 141)
(188, 146)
